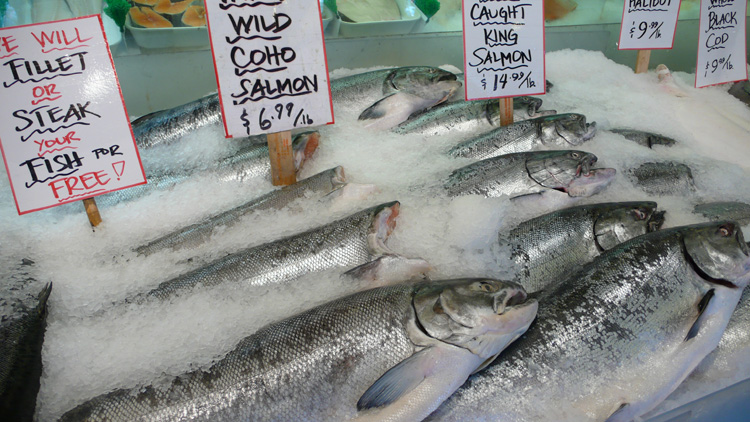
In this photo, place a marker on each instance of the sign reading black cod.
(648, 24)
(722, 51)
(270, 65)
(64, 131)
(503, 48)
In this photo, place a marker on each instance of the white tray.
(181, 38)
(411, 18)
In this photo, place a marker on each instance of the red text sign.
(64, 131)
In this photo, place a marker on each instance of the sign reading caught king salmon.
(270, 65)
(503, 48)
(64, 130)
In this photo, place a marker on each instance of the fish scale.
(384, 354)
(343, 243)
(518, 137)
(497, 176)
(546, 248)
(613, 334)
(525, 173)
(23, 314)
(561, 130)
(664, 178)
(252, 382)
(250, 162)
(466, 116)
(196, 234)
(167, 126)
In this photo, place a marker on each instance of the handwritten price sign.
(722, 52)
(503, 48)
(648, 24)
(64, 131)
(270, 64)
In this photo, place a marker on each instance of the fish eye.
(725, 230)
(575, 155)
(639, 214)
(487, 287)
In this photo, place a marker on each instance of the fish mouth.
(590, 131)
(581, 132)
(515, 300)
(589, 182)
(584, 168)
(655, 221)
(382, 227)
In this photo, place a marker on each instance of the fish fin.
(702, 305)
(617, 412)
(486, 363)
(527, 196)
(367, 271)
(397, 381)
(375, 111)
(390, 268)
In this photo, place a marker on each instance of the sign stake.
(506, 111)
(641, 64)
(282, 158)
(92, 211)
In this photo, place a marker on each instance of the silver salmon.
(615, 338)
(195, 234)
(250, 162)
(559, 130)
(527, 173)
(397, 107)
(345, 243)
(390, 353)
(468, 116)
(351, 92)
(23, 315)
(725, 210)
(546, 249)
(362, 90)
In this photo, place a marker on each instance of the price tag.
(503, 48)
(722, 52)
(270, 65)
(64, 131)
(648, 24)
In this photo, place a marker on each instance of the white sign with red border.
(503, 48)
(64, 130)
(722, 51)
(648, 24)
(270, 65)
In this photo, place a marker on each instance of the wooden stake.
(282, 158)
(506, 111)
(92, 211)
(641, 64)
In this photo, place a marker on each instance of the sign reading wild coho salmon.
(64, 131)
(270, 65)
(503, 48)
(648, 24)
(722, 52)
